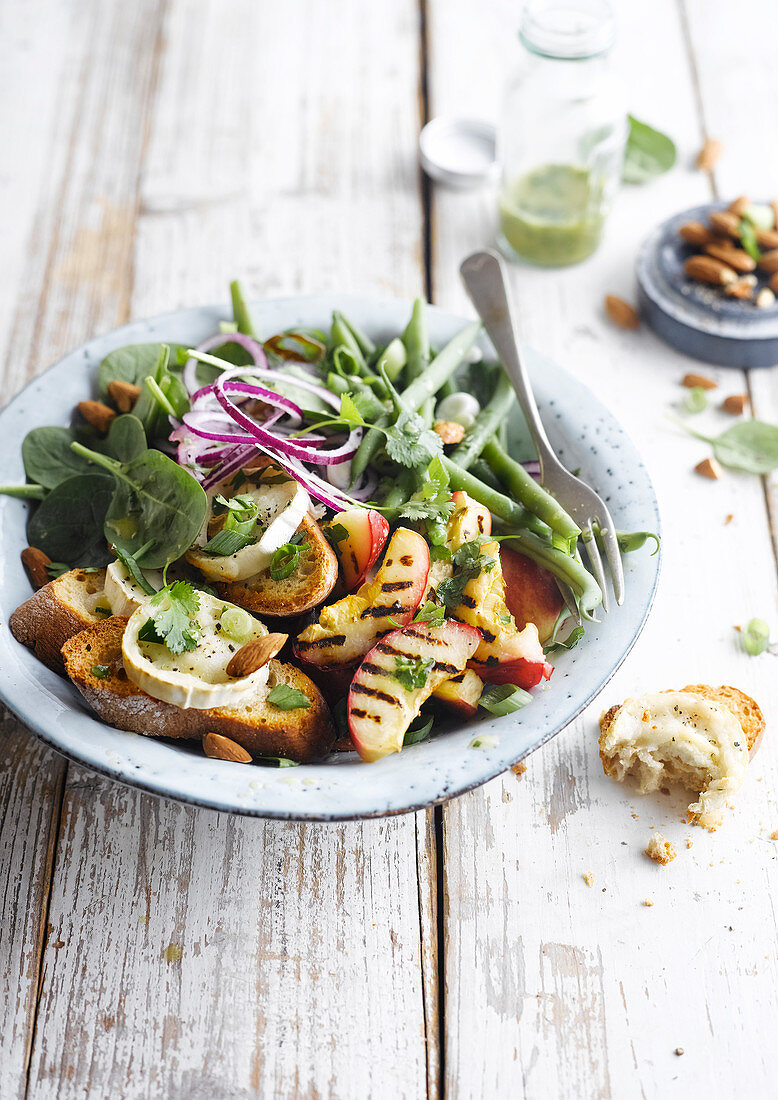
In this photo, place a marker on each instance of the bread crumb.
(689, 842)
(679, 1051)
(589, 878)
(648, 902)
(660, 850)
(518, 770)
(774, 835)
(728, 519)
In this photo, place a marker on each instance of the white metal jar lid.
(460, 152)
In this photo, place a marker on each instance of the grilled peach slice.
(346, 630)
(397, 676)
(468, 520)
(505, 655)
(531, 593)
(461, 692)
(359, 550)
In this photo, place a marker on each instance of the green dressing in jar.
(553, 215)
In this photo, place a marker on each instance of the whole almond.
(767, 239)
(769, 261)
(737, 258)
(123, 394)
(255, 654)
(725, 224)
(708, 270)
(222, 748)
(696, 233)
(742, 287)
(735, 404)
(739, 206)
(709, 155)
(701, 381)
(773, 284)
(449, 431)
(36, 564)
(709, 467)
(621, 313)
(97, 414)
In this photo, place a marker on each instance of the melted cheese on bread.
(681, 737)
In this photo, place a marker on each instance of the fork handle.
(484, 276)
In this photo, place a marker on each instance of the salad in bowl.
(285, 546)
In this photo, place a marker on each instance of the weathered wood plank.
(200, 955)
(31, 779)
(553, 988)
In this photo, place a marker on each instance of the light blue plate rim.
(583, 432)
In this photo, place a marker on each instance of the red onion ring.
(252, 346)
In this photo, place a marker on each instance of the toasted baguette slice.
(307, 586)
(686, 737)
(261, 728)
(56, 612)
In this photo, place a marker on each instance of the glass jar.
(564, 126)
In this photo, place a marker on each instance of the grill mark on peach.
(382, 647)
(468, 601)
(383, 611)
(406, 559)
(374, 693)
(488, 636)
(374, 670)
(410, 632)
(323, 643)
(359, 713)
(458, 679)
(444, 666)
(396, 586)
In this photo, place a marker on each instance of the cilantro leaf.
(411, 443)
(334, 533)
(469, 563)
(430, 613)
(288, 698)
(174, 623)
(412, 672)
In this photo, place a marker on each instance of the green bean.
(486, 423)
(533, 496)
(426, 385)
(240, 310)
(416, 342)
(361, 339)
(628, 540)
(442, 367)
(567, 569)
(447, 389)
(480, 470)
(398, 494)
(392, 359)
(343, 336)
(497, 503)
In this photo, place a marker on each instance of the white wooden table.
(151, 150)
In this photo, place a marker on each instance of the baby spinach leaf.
(48, 459)
(68, 525)
(154, 501)
(750, 445)
(649, 153)
(131, 364)
(756, 637)
(126, 439)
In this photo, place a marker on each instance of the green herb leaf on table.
(756, 637)
(649, 153)
(174, 619)
(696, 400)
(412, 672)
(288, 698)
(750, 445)
(502, 699)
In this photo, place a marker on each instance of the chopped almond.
(36, 565)
(709, 155)
(97, 414)
(621, 313)
(692, 381)
(739, 205)
(123, 394)
(728, 518)
(709, 467)
(449, 431)
(648, 903)
(735, 403)
(518, 770)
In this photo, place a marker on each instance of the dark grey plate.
(698, 320)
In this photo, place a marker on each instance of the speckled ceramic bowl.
(584, 434)
(694, 318)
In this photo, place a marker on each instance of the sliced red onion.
(252, 346)
(533, 468)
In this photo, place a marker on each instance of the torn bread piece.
(56, 612)
(699, 737)
(93, 660)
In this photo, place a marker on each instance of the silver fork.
(483, 274)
